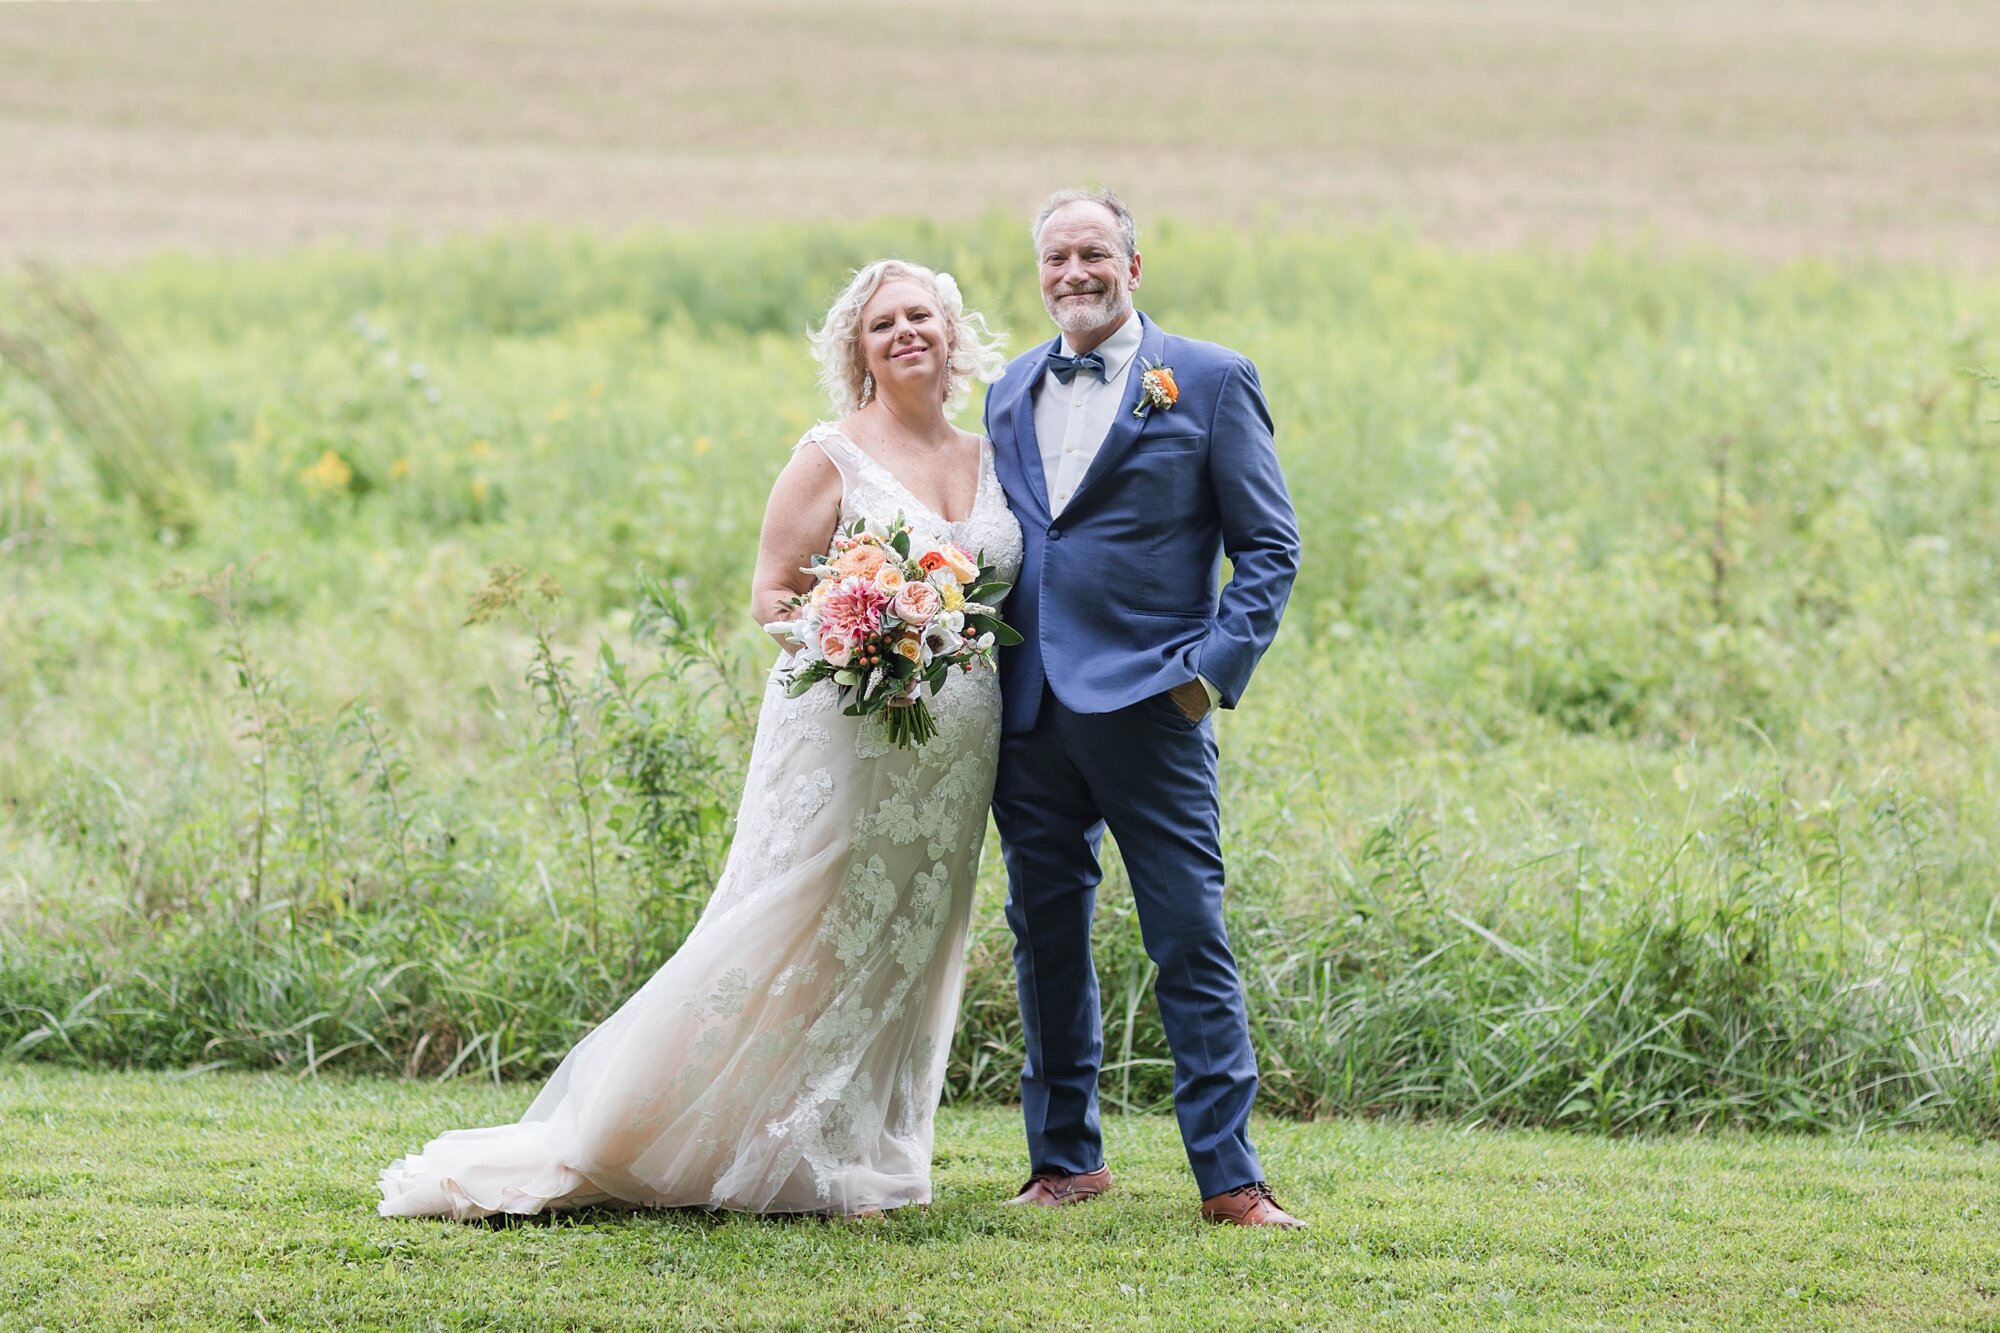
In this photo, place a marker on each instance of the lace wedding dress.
(790, 1056)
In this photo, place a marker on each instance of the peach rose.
(888, 579)
(916, 603)
(836, 650)
(911, 646)
(960, 562)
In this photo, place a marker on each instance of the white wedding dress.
(789, 1058)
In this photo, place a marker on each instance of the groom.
(1135, 461)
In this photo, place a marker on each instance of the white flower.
(948, 292)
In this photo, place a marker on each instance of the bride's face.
(904, 340)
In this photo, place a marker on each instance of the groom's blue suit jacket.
(1118, 596)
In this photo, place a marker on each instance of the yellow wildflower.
(399, 469)
(560, 412)
(330, 473)
(481, 449)
(479, 489)
(702, 444)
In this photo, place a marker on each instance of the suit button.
(1055, 534)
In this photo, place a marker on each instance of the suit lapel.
(1027, 446)
(1125, 426)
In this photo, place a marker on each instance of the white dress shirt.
(1072, 421)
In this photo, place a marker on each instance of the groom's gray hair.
(1128, 230)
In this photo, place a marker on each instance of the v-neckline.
(978, 487)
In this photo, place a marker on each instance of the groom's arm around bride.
(1135, 461)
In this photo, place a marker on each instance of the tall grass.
(1626, 761)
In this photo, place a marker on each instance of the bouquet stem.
(911, 725)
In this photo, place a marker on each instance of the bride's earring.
(867, 387)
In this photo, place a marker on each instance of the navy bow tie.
(1066, 367)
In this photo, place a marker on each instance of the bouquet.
(887, 623)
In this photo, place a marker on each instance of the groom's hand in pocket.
(1191, 698)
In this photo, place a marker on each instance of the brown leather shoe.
(1053, 1189)
(1248, 1206)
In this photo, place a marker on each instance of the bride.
(789, 1058)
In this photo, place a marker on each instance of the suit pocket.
(1164, 707)
(1150, 443)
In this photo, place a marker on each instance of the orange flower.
(1157, 389)
(932, 562)
(860, 561)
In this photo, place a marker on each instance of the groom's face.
(1087, 278)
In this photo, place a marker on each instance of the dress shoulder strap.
(845, 455)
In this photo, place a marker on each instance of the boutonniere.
(1156, 389)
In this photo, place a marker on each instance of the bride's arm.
(799, 520)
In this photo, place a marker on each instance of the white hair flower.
(947, 287)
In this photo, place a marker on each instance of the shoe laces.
(1256, 1189)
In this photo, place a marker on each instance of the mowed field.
(1771, 129)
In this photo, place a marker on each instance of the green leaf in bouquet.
(1003, 634)
(802, 682)
(988, 593)
(901, 542)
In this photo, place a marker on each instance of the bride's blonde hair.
(836, 343)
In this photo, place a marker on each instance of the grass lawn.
(248, 1200)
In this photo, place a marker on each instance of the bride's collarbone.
(942, 464)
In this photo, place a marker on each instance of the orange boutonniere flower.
(1156, 389)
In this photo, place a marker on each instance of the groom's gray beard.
(1082, 319)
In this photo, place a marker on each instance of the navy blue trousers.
(1148, 774)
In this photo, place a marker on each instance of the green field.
(1626, 776)
(246, 1201)
(1780, 129)
(1627, 759)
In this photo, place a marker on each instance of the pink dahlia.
(853, 610)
